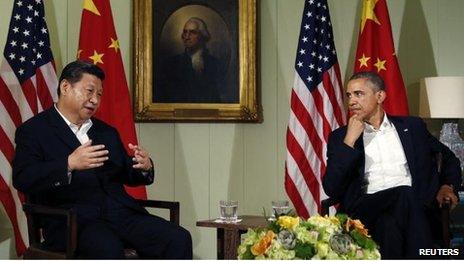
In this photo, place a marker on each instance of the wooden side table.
(228, 234)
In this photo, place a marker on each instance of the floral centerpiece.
(334, 237)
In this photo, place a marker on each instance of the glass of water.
(228, 210)
(280, 207)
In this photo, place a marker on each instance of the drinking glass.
(228, 210)
(280, 207)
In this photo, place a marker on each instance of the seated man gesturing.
(67, 158)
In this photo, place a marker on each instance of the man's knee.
(182, 239)
(99, 242)
(180, 244)
(98, 249)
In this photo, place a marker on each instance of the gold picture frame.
(245, 108)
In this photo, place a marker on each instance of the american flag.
(28, 85)
(316, 109)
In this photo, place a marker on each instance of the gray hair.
(372, 77)
(202, 27)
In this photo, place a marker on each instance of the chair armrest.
(326, 204)
(173, 206)
(32, 210)
(46, 210)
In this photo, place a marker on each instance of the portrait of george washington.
(195, 52)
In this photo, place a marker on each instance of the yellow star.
(363, 61)
(114, 44)
(96, 57)
(368, 12)
(89, 5)
(78, 56)
(380, 64)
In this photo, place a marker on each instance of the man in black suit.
(382, 170)
(67, 158)
(193, 76)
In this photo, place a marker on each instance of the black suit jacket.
(43, 144)
(177, 81)
(345, 180)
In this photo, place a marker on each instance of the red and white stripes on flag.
(316, 108)
(28, 85)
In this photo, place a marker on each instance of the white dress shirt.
(81, 133)
(385, 165)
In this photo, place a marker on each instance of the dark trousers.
(396, 221)
(152, 237)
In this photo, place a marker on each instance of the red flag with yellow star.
(376, 52)
(99, 44)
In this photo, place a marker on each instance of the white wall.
(199, 164)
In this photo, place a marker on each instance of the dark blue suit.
(344, 180)
(97, 195)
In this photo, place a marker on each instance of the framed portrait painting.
(195, 60)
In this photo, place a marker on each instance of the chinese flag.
(99, 44)
(376, 52)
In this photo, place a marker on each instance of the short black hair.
(372, 77)
(74, 70)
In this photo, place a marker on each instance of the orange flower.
(265, 242)
(356, 224)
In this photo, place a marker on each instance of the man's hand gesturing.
(87, 156)
(141, 158)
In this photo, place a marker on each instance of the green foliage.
(307, 225)
(363, 241)
(274, 227)
(265, 214)
(342, 217)
(248, 255)
(304, 251)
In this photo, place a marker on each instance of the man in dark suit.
(193, 76)
(382, 170)
(67, 158)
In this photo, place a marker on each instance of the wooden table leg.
(220, 243)
(231, 243)
(228, 241)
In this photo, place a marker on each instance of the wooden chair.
(36, 249)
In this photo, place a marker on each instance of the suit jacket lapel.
(359, 145)
(102, 173)
(94, 134)
(62, 130)
(406, 141)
